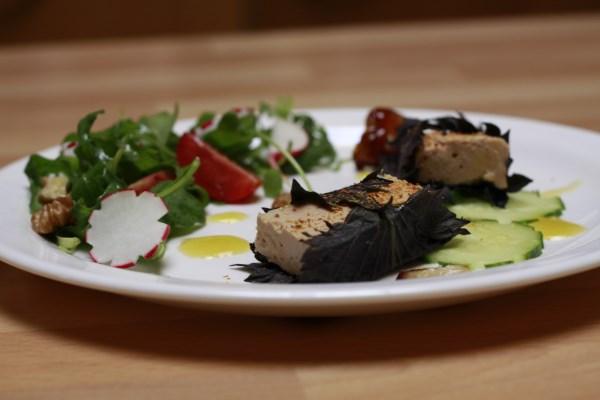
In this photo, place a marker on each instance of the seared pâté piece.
(359, 233)
(282, 233)
(462, 159)
(447, 151)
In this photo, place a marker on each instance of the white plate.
(554, 155)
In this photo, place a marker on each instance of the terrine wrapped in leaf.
(360, 233)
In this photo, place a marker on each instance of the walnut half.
(53, 215)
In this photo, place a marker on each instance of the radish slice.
(243, 111)
(290, 136)
(68, 149)
(126, 227)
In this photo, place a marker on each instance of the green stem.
(183, 180)
(114, 163)
(286, 154)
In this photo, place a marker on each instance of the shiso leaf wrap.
(372, 242)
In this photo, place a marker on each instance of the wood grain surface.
(64, 342)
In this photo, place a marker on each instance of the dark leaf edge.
(264, 271)
(301, 196)
(402, 163)
(461, 124)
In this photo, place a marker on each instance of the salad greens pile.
(109, 160)
(98, 163)
(244, 137)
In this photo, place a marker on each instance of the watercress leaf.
(272, 182)
(85, 124)
(34, 201)
(39, 167)
(172, 142)
(111, 139)
(233, 135)
(94, 183)
(161, 124)
(283, 107)
(70, 137)
(265, 108)
(200, 193)
(143, 156)
(87, 151)
(80, 214)
(186, 209)
(204, 118)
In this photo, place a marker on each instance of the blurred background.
(31, 21)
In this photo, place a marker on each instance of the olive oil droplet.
(556, 228)
(215, 246)
(230, 217)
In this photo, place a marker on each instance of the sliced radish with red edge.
(127, 227)
(289, 136)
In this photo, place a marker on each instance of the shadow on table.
(130, 326)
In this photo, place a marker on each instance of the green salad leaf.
(161, 124)
(38, 167)
(272, 182)
(185, 200)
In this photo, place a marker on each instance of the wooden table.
(59, 341)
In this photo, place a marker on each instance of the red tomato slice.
(223, 179)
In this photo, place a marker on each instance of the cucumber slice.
(521, 207)
(490, 244)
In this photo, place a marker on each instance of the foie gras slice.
(462, 159)
(282, 232)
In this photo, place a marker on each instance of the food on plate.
(473, 162)
(223, 179)
(462, 159)
(520, 207)
(120, 192)
(149, 181)
(126, 227)
(52, 215)
(490, 244)
(95, 166)
(359, 233)
(447, 151)
(432, 271)
(270, 142)
(223, 157)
